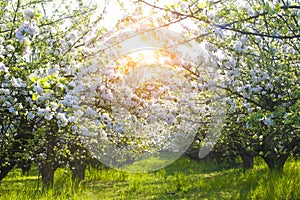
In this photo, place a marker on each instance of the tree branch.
(260, 34)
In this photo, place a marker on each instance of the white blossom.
(268, 121)
(3, 68)
(17, 82)
(78, 113)
(54, 105)
(256, 89)
(69, 100)
(269, 86)
(6, 104)
(11, 110)
(29, 13)
(72, 119)
(62, 119)
(248, 125)
(37, 88)
(26, 28)
(108, 95)
(210, 47)
(91, 112)
(238, 46)
(30, 115)
(10, 48)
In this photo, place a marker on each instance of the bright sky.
(116, 10)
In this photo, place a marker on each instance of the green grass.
(184, 179)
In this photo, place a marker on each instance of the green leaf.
(34, 97)
(33, 79)
(200, 5)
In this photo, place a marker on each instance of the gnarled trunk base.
(78, 170)
(276, 163)
(248, 160)
(47, 170)
(5, 170)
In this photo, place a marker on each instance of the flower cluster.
(27, 29)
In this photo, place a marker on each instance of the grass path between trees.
(184, 179)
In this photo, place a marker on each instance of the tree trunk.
(21, 138)
(5, 170)
(275, 162)
(47, 170)
(248, 160)
(78, 170)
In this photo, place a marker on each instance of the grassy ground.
(184, 179)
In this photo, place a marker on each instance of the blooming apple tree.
(260, 43)
(41, 50)
(141, 98)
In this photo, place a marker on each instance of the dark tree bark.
(25, 165)
(5, 170)
(275, 162)
(19, 144)
(48, 165)
(47, 170)
(78, 170)
(79, 162)
(248, 160)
